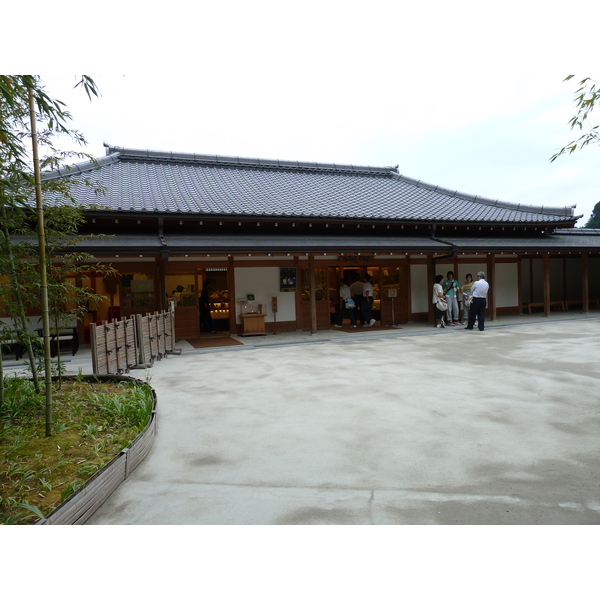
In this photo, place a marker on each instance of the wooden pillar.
(162, 291)
(546, 285)
(491, 279)
(565, 291)
(585, 282)
(520, 283)
(430, 276)
(407, 291)
(313, 294)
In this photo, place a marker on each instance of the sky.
(464, 96)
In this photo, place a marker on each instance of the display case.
(219, 310)
(253, 321)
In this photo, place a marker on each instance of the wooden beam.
(491, 279)
(430, 276)
(313, 294)
(546, 285)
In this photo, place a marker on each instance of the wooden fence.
(131, 343)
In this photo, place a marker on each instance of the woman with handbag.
(347, 305)
(466, 291)
(439, 301)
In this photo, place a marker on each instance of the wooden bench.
(529, 305)
(12, 345)
(65, 336)
(593, 302)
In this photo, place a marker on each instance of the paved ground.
(414, 426)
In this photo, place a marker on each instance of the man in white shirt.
(367, 307)
(479, 293)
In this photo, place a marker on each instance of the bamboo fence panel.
(134, 342)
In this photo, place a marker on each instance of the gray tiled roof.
(571, 240)
(133, 243)
(139, 181)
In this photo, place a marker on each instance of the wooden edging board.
(81, 505)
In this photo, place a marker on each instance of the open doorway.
(214, 300)
(355, 277)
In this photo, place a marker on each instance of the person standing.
(451, 291)
(479, 292)
(438, 294)
(466, 291)
(206, 321)
(345, 310)
(357, 296)
(367, 310)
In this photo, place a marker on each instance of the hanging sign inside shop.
(287, 279)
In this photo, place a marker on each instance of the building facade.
(281, 234)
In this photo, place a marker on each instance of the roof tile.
(164, 182)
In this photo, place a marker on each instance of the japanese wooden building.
(284, 233)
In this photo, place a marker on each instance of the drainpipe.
(431, 269)
(452, 254)
(163, 258)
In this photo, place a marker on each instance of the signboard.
(287, 279)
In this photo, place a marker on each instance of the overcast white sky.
(459, 94)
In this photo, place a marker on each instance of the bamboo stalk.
(43, 265)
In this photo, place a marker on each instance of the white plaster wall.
(420, 289)
(263, 282)
(507, 284)
(472, 268)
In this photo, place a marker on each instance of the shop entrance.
(214, 300)
(181, 289)
(357, 274)
(389, 291)
(201, 300)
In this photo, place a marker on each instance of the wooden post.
(520, 283)
(430, 276)
(491, 279)
(546, 285)
(313, 294)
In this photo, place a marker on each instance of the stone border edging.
(81, 505)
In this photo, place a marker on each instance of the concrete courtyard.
(414, 427)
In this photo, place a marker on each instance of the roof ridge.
(239, 161)
(567, 211)
(82, 167)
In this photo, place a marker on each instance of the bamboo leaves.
(587, 96)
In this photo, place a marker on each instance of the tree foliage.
(587, 96)
(30, 122)
(594, 220)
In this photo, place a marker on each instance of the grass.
(93, 422)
